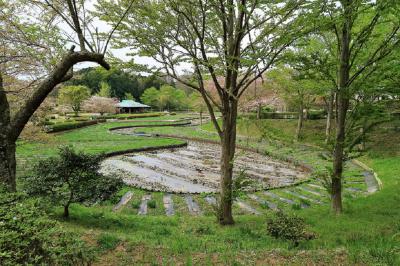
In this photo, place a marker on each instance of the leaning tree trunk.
(342, 107)
(228, 141)
(11, 127)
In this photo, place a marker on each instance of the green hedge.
(129, 116)
(312, 115)
(72, 125)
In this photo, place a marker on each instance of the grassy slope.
(92, 139)
(365, 233)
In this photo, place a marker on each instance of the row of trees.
(78, 98)
(119, 82)
(166, 98)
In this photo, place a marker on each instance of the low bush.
(29, 237)
(58, 127)
(80, 119)
(71, 178)
(136, 204)
(312, 115)
(288, 227)
(107, 241)
(316, 114)
(130, 116)
(152, 204)
(48, 123)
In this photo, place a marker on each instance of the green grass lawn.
(94, 139)
(367, 233)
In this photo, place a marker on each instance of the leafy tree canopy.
(119, 82)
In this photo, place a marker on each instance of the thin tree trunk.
(329, 116)
(299, 122)
(66, 211)
(342, 107)
(228, 142)
(201, 118)
(259, 111)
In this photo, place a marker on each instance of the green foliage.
(240, 184)
(58, 127)
(288, 227)
(73, 96)
(29, 237)
(167, 97)
(107, 241)
(71, 178)
(197, 102)
(128, 96)
(131, 116)
(325, 177)
(105, 90)
(150, 97)
(152, 204)
(136, 204)
(120, 82)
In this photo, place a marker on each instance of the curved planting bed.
(195, 168)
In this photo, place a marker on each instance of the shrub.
(288, 227)
(71, 178)
(107, 241)
(131, 116)
(29, 237)
(316, 114)
(48, 123)
(151, 204)
(70, 125)
(136, 204)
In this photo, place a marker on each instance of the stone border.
(369, 169)
(150, 148)
(304, 167)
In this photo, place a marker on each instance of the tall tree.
(222, 41)
(73, 96)
(31, 47)
(298, 90)
(366, 32)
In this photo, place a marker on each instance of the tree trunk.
(201, 118)
(66, 211)
(259, 111)
(338, 155)
(11, 128)
(7, 163)
(299, 123)
(228, 142)
(342, 107)
(7, 146)
(329, 116)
